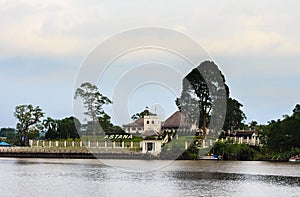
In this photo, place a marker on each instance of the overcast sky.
(255, 43)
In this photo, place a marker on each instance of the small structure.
(152, 147)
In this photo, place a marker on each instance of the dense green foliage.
(146, 112)
(202, 94)
(201, 89)
(232, 151)
(234, 115)
(282, 135)
(29, 125)
(104, 124)
(279, 140)
(10, 135)
(50, 126)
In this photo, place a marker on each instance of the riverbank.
(71, 153)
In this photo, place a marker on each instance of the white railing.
(88, 144)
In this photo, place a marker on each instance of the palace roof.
(137, 123)
(176, 120)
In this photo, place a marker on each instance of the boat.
(295, 159)
(210, 157)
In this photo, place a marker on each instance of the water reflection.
(50, 177)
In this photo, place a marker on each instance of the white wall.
(152, 123)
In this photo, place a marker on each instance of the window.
(152, 121)
(147, 121)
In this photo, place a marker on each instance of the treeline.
(279, 140)
(31, 123)
(200, 100)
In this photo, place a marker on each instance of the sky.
(44, 44)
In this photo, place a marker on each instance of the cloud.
(250, 37)
(181, 28)
(249, 40)
(72, 27)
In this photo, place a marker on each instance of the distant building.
(151, 147)
(152, 124)
(136, 127)
(143, 125)
(177, 121)
(249, 137)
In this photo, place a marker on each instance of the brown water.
(66, 177)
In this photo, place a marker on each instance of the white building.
(136, 127)
(151, 147)
(149, 124)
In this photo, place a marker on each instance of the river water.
(70, 177)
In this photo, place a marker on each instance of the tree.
(10, 134)
(146, 112)
(201, 89)
(282, 135)
(105, 123)
(292, 126)
(253, 125)
(61, 129)
(51, 127)
(106, 126)
(67, 128)
(29, 122)
(234, 115)
(93, 101)
(296, 111)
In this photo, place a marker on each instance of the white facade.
(151, 147)
(134, 129)
(152, 122)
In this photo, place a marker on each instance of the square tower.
(152, 122)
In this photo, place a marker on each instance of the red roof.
(176, 120)
(138, 123)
